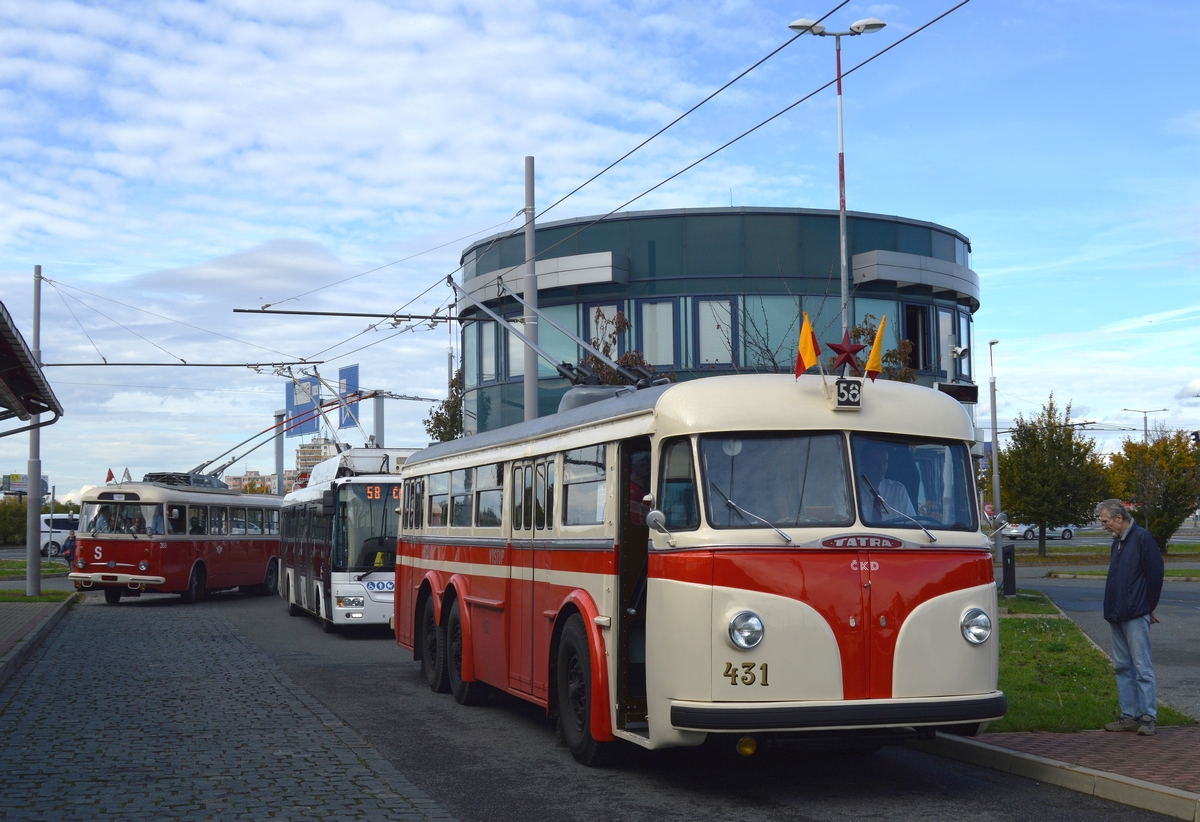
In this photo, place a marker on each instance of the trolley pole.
(280, 416)
(33, 486)
(531, 297)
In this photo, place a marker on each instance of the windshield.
(367, 527)
(924, 480)
(121, 518)
(784, 479)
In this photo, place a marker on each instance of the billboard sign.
(301, 399)
(347, 387)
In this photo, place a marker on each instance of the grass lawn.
(1171, 572)
(1060, 553)
(15, 568)
(1028, 602)
(1056, 681)
(14, 595)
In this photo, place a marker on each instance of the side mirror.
(328, 502)
(1000, 520)
(658, 522)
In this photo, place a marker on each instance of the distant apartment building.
(309, 454)
(254, 479)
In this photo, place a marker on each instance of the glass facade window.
(916, 331)
(600, 324)
(516, 349)
(470, 354)
(825, 314)
(556, 343)
(714, 331)
(657, 331)
(877, 310)
(770, 332)
(487, 351)
(964, 341)
(945, 341)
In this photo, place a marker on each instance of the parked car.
(1015, 530)
(54, 532)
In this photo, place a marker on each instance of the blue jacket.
(1135, 576)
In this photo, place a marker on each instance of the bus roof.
(760, 402)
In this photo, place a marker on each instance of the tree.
(895, 360)
(1049, 473)
(445, 420)
(610, 331)
(257, 485)
(1161, 479)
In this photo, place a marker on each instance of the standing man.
(1135, 580)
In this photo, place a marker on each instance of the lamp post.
(1145, 419)
(995, 440)
(870, 25)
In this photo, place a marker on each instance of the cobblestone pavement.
(1171, 757)
(168, 712)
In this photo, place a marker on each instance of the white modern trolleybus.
(339, 539)
(754, 556)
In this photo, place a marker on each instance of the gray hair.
(1113, 509)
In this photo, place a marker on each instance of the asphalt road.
(500, 761)
(1175, 641)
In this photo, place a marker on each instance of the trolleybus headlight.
(350, 602)
(976, 626)
(143, 565)
(746, 629)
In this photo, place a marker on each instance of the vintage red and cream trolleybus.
(754, 556)
(171, 535)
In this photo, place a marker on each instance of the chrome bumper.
(114, 578)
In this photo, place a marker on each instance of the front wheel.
(293, 608)
(433, 650)
(54, 548)
(270, 585)
(1029, 534)
(467, 693)
(327, 623)
(112, 596)
(195, 589)
(574, 687)
(1067, 533)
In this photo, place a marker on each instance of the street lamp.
(870, 25)
(995, 439)
(1145, 419)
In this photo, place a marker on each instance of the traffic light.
(1196, 436)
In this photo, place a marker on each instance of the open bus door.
(633, 540)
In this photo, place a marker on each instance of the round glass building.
(714, 290)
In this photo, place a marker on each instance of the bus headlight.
(976, 626)
(350, 602)
(79, 563)
(143, 565)
(746, 629)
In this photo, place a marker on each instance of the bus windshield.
(121, 518)
(776, 480)
(902, 480)
(367, 527)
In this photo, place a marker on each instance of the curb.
(1114, 787)
(1061, 575)
(43, 576)
(13, 659)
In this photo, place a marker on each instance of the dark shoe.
(1147, 727)
(1125, 723)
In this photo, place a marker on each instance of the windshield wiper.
(366, 574)
(887, 507)
(746, 513)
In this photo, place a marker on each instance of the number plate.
(847, 394)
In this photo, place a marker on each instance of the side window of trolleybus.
(439, 500)
(254, 522)
(926, 480)
(197, 520)
(271, 522)
(677, 486)
(583, 486)
(786, 479)
(237, 521)
(489, 495)
(218, 520)
(460, 497)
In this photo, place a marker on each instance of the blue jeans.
(1135, 672)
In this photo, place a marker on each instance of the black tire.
(1067, 533)
(112, 596)
(574, 690)
(467, 693)
(1029, 534)
(293, 608)
(327, 623)
(44, 552)
(270, 585)
(195, 589)
(55, 549)
(433, 650)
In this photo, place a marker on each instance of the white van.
(54, 532)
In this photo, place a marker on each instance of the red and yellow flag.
(875, 361)
(809, 351)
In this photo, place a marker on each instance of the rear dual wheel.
(433, 649)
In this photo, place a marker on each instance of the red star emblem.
(845, 353)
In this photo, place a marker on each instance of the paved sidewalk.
(151, 713)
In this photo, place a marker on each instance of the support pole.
(996, 538)
(33, 487)
(531, 297)
(845, 252)
(379, 420)
(280, 416)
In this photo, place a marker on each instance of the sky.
(169, 162)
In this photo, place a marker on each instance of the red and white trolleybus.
(166, 535)
(745, 555)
